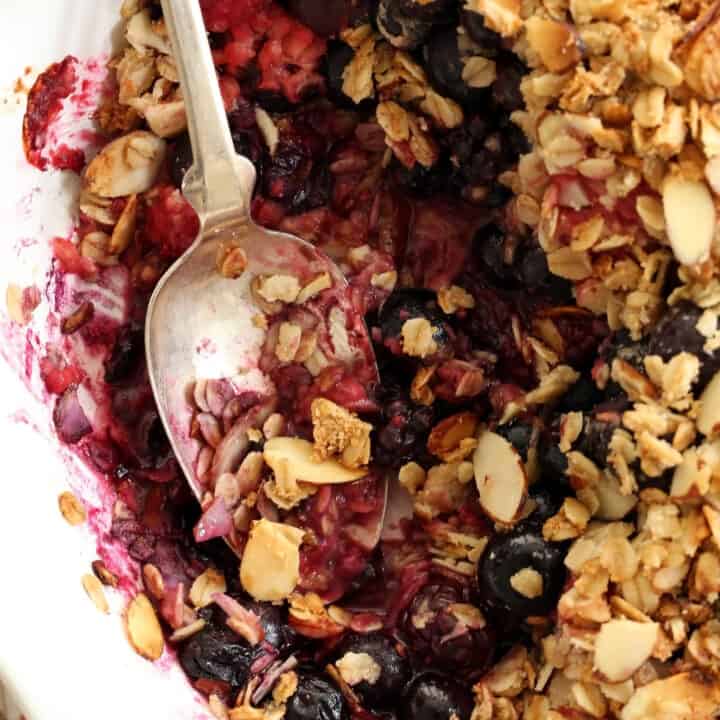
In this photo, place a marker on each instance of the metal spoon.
(199, 324)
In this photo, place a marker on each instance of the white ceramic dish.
(60, 659)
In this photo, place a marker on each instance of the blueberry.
(532, 268)
(339, 55)
(546, 504)
(595, 438)
(488, 40)
(507, 554)
(439, 637)
(400, 29)
(394, 669)
(445, 66)
(180, 159)
(489, 251)
(553, 461)
(677, 332)
(583, 396)
(432, 696)
(316, 699)
(506, 88)
(216, 653)
(125, 357)
(519, 435)
(422, 181)
(410, 303)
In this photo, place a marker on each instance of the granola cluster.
(621, 179)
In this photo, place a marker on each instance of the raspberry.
(171, 222)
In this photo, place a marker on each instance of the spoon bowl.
(202, 324)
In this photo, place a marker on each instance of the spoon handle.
(220, 182)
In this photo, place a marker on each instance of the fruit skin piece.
(690, 218)
(394, 668)
(296, 456)
(622, 646)
(505, 555)
(432, 696)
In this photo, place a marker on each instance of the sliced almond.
(71, 508)
(298, 455)
(708, 421)
(270, 566)
(689, 217)
(205, 586)
(126, 166)
(613, 505)
(144, 629)
(694, 696)
(500, 477)
(622, 646)
(94, 589)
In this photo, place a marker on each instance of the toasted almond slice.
(71, 508)
(554, 42)
(270, 566)
(205, 586)
(689, 217)
(94, 589)
(613, 504)
(127, 165)
(103, 574)
(297, 454)
(500, 477)
(622, 646)
(143, 628)
(695, 695)
(708, 421)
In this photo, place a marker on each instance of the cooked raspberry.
(58, 376)
(70, 259)
(221, 15)
(171, 222)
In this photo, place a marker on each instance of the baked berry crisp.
(523, 197)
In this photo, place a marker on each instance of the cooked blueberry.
(432, 696)
(408, 304)
(422, 181)
(519, 435)
(532, 268)
(553, 461)
(394, 668)
(316, 699)
(217, 653)
(441, 636)
(489, 251)
(508, 554)
(403, 427)
(400, 29)
(595, 437)
(126, 356)
(339, 54)
(445, 66)
(488, 40)
(546, 504)
(506, 88)
(677, 332)
(583, 396)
